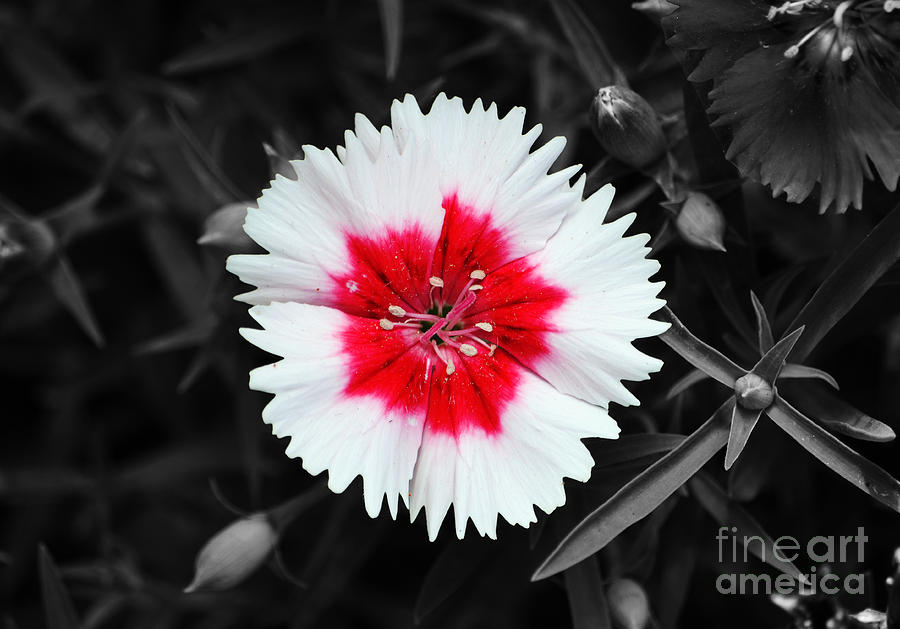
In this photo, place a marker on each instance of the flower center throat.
(442, 326)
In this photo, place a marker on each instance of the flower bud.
(234, 553)
(628, 604)
(24, 245)
(225, 228)
(700, 222)
(654, 8)
(753, 392)
(627, 127)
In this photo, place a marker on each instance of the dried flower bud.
(627, 127)
(234, 553)
(753, 392)
(628, 604)
(225, 228)
(700, 222)
(24, 245)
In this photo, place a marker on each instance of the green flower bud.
(628, 604)
(234, 553)
(24, 246)
(753, 392)
(627, 127)
(701, 223)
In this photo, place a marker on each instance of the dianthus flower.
(453, 320)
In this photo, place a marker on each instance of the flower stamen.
(444, 327)
(792, 8)
(794, 50)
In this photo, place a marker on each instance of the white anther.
(838, 17)
(792, 52)
(397, 311)
(476, 287)
(477, 275)
(386, 324)
(493, 349)
(487, 327)
(436, 281)
(846, 53)
(468, 350)
(890, 5)
(450, 368)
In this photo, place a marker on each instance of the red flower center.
(450, 325)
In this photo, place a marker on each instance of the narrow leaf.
(391, 12)
(191, 335)
(193, 148)
(893, 606)
(743, 422)
(792, 370)
(836, 455)
(763, 329)
(721, 285)
(684, 383)
(824, 406)
(237, 47)
(751, 471)
(59, 612)
(175, 258)
(848, 283)
(202, 360)
(453, 567)
(699, 354)
(593, 58)
(587, 600)
(285, 513)
(675, 564)
(67, 288)
(641, 496)
(769, 366)
(608, 452)
(775, 291)
(730, 514)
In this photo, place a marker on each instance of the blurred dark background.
(125, 125)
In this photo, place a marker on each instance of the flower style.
(809, 89)
(453, 319)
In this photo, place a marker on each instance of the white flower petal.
(510, 472)
(609, 303)
(304, 224)
(485, 161)
(348, 436)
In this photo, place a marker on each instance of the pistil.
(440, 334)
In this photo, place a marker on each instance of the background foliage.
(125, 126)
